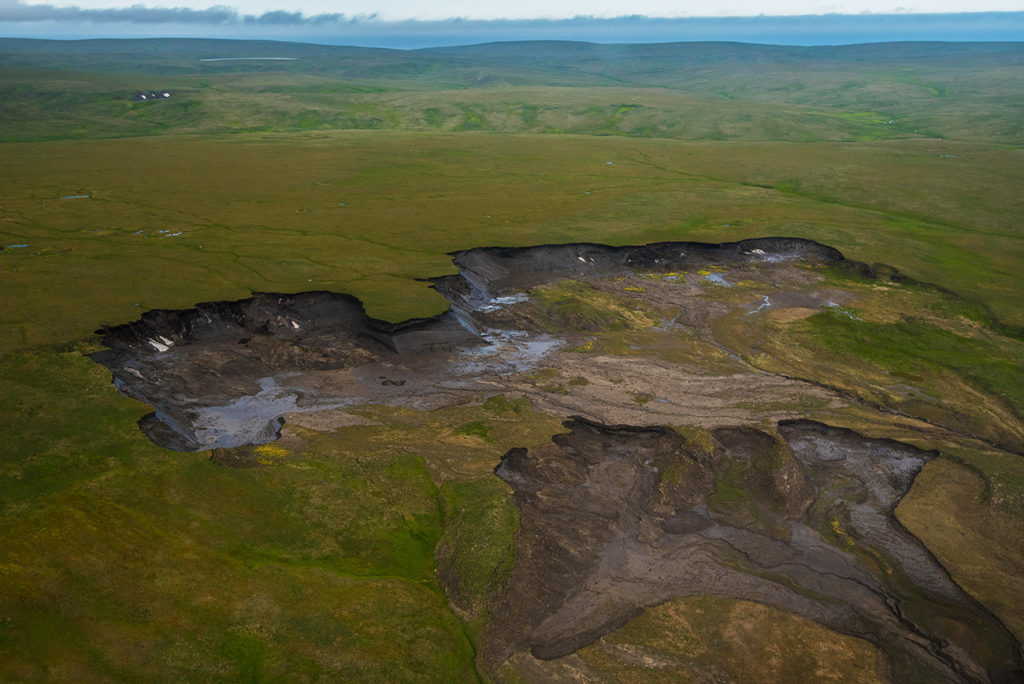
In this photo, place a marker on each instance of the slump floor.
(225, 373)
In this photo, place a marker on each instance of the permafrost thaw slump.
(224, 373)
(614, 519)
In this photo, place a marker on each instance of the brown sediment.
(617, 518)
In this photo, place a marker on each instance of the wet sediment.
(618, 518)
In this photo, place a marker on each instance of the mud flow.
(618, 518)
(621, 512)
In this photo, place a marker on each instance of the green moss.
(432, 117)
(323, 563)
(697, 436)
(727, 494)
(912, 347)
(501, 404)
(675, 474)
(71, 426)
(545, 374)
(477, 428)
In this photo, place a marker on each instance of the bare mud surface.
(615, 519)
(753, 504)
(226, 373)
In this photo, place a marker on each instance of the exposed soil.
(615, 519)
(222, 374)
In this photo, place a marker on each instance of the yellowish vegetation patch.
(469, 441)
(270, 454)
(742, 640)
(840, 533)
(587, 346)
(949, 509)
(576, 304)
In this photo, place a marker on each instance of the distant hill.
(570, 52)
(612, 61)
(698, 90)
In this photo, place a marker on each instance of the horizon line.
(805, 29)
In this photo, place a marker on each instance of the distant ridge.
(183, 54)
(713, 51)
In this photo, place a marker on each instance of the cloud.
(276, 18)
(14, 11)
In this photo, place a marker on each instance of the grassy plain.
(358, 171)
(367, 213)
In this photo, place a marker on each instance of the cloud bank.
(13, 11)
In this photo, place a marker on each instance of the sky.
(404, 10)
(410, 24)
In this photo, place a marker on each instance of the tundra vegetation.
(380, 547)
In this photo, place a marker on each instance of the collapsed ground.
(705, 338)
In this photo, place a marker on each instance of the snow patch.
(497, 303)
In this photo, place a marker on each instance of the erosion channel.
(688, 467)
